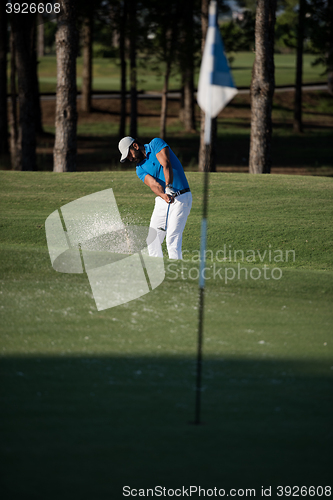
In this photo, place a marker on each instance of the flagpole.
(203, 240)
(215, 89)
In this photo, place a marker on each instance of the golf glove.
(169, 190)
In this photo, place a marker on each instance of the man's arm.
(164, 159)
(157, 188)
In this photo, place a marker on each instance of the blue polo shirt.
(151, 166)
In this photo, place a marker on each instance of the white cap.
(124, 146)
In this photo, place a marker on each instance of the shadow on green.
(84, 427)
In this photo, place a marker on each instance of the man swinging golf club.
(159, 168)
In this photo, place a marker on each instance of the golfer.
(159, 168)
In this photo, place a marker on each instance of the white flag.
(216, 86)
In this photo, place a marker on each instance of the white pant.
(178, 213)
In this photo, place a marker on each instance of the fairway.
(106, 72)
(94, 401)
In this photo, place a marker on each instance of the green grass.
(285, 69)
(106, 73)
(93, 401)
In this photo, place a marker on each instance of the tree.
(64, 153)
(238, 34)
(320, 24)
(186, 54)
(133, 21)
(50, 29)
(36, 95)
(40, 37)
(3, 84)
(168, 40)
(286, 27)
(87, 36)
(289, 35)
(14, 147)
(169, 37)
(128, 21)
(163, 21)
(23, 38)
(89, 14)
(188, 75)
(123, 67)
(262, 88)
(298, 126)
(329, 57)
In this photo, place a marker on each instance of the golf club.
(166, 220)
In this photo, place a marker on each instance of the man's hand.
(170, 191)
(167, 198)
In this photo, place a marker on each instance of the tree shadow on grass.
(316, 113)
(242, 105)
(279, 107)
(84, 427)
(104, 111)
(232, 149)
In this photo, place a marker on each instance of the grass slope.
(93, 401)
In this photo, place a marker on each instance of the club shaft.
(167, 215)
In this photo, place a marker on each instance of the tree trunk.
(87, 64)
(330, 46)
(164, 103)
(211, 167)
(262, 88)
(188, 67)
(170, 27)
(34, 61)
(64, 153)
(133, 78)
(23, 28)
(181, 100)
(298, 126)
(3, 84)
(122, 52)
(40, 37)
(14, 146)
(189, 109)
